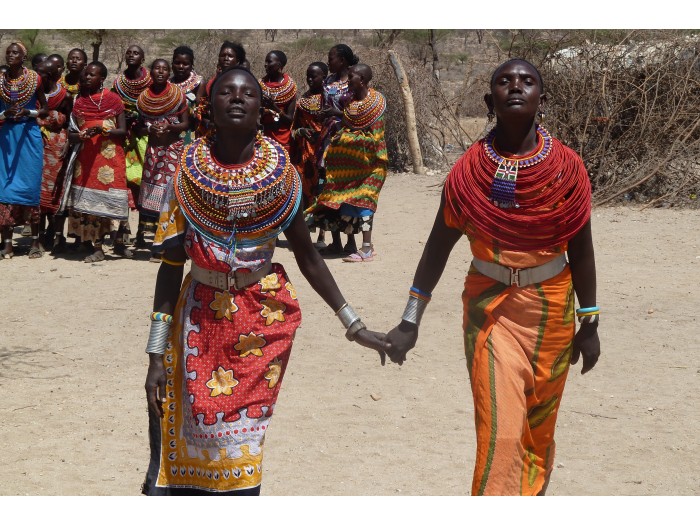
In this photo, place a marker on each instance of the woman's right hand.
(155, 384)
(402, 339)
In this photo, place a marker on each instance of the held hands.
(587, 345)
(401, 339)
(373, 340)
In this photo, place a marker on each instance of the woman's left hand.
(373, 340)
(587, 345)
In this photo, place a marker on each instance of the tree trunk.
(436, 60)
(409, 114)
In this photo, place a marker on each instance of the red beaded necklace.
(190, 83)
(553, 197)
(280, 92)
(363, 113)
(160, 105)
(131, 89)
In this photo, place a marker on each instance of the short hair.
(321, 65)
(346, 53)
(103, 68)
(364, 70)
(235, 68)
(237, 48)
(81, 51)
(184, 50)
(160, 60)
(537, 71)
(56, 56)
(279, 54)
(38, 58)
(139, 47)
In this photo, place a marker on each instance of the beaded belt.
(521, 276)
(225, 281)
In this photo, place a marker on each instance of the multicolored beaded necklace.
(363, 113)
(190, 83)
(130, 90)
(310, 104)
(334, 90)
(242, 205)
(54, 99)
(282, 92)
(506, 176)
(20, 90)
(73, 89)
(160, 105)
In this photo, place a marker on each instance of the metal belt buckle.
(515, 277)
(231, 281)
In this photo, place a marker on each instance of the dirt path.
(73, 366)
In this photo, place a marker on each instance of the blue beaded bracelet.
(420, 292)
(587, 310)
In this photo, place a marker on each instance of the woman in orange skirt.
(523, 200)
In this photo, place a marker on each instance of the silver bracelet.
(347, 315)
(158, 337)
(354, 328)
(33, 113)
(414, 310)
(2, 116)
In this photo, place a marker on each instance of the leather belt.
(225, 281)
(521, 276)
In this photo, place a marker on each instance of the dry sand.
(73, 366)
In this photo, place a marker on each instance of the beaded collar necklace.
(73, 89)
(53, 93)
(280, 92)
(365, 112)
(18, 90)
(506, 176)
(157, 105)
(242, 205)
(190, 83)
(131, 89)
(311, 104)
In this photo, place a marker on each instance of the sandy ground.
(72, 343)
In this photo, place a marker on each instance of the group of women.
(108, 151)
(221, 336)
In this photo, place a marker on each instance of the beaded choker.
(131, 89)
(160, 105)
(190, 83)
(20, 90)
(238, 206)
(280, 92)
(363, 113)
(506, 176)
(310, 104)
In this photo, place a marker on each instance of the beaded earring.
(541, 115)
(490, 115)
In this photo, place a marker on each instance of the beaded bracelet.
(588, 319)
(160, 331)
(588, 310)
(159, 316)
